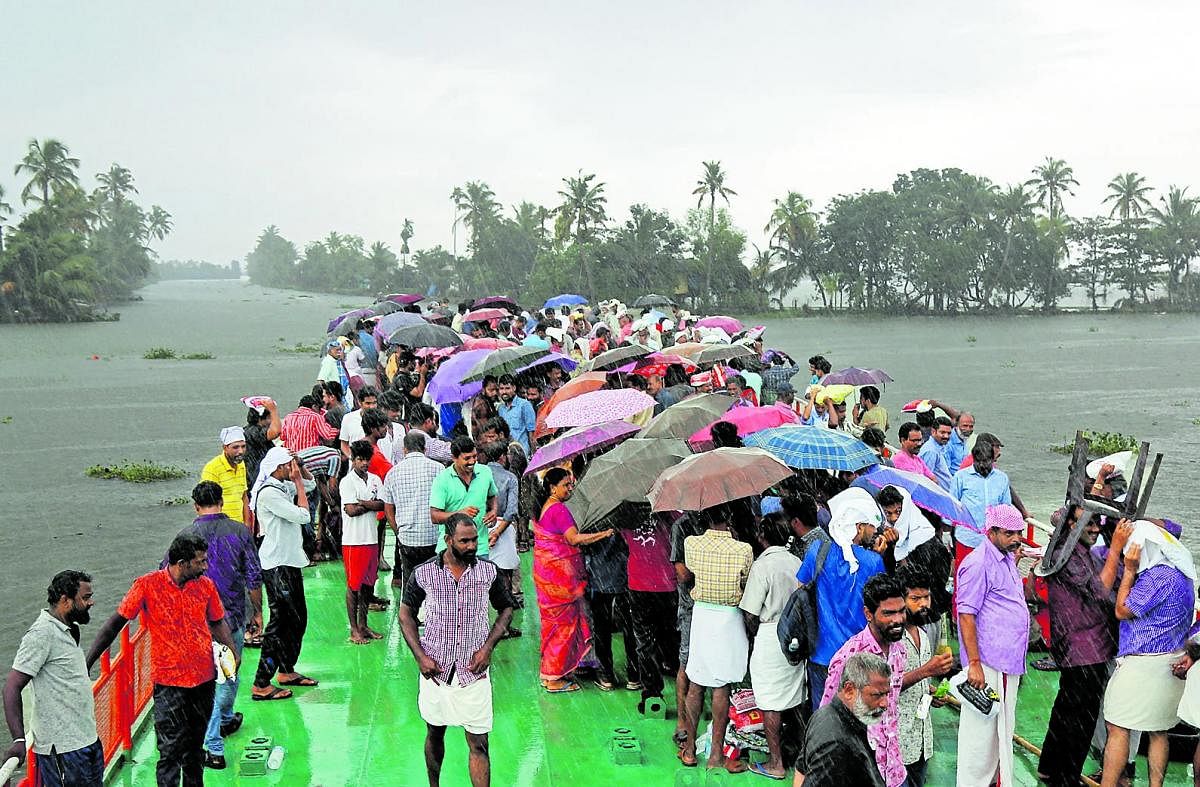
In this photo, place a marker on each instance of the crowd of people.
(702, 598)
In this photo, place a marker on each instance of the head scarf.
(1159, 547)
(276, 458)
(1003, 516)
(847, 509)
(232, 434)
(910, 521)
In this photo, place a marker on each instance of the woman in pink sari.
(559, 577)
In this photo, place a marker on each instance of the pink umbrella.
(747, 420)
(580, 441)
(486, 343)
(404, 299)
(483, 315)
(727, 324)
(597, 407)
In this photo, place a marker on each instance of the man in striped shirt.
(305, 426)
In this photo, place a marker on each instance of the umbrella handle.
(8, 769)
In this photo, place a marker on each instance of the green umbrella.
(508, 360)
(722, 352)
(623, 475)
(683, 419)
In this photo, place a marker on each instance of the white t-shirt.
(362, 529)
(354, 359)
(352, 428)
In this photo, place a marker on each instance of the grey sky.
(235, 116)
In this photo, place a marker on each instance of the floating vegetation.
(1182, 403)
(1093, 329)
(1009, 365)
(160, 354)
(971, 339)
(1196, 422)
(143, 472)
(1100, 444)
(175, 501)
(6, 419)
(197, 357)
(300, 348)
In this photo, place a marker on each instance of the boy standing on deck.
(360, 492)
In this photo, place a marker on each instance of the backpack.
(797, 627)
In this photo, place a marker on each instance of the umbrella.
(596, 407)
(487, 343)
(446, 385)
(485, 315)
(580, 441)
(386, 307)
(564, 300)
(404, 299)
(505, 361)
(623, 475)
(727, 324)
(567, 364)
(715, 353)
(588, 381)
(925, 493)
(705, 480)
(653, 300)
(814, 448)
(689, 349)
(656, 364)
(346, 327)
(390, 323)
(437, 318)
(502, 301)
(425, 335)
(682, 419)
(357, 314)
(611, 359)
(856, 376)
(748, 420)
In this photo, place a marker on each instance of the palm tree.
(158, 223)
(1178, 234)
(1051, 180)
(1127, 192)
(476, 208)
(116, 183)
(792, 230)
(580, 215)
(760, 272)
(50, 168)
(711, 185)
(406, 234)
(5, 212)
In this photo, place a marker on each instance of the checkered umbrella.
(814, 448)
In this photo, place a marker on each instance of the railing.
(122, 692)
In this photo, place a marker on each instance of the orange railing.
(122, 692)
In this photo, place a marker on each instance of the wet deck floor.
(361, 725)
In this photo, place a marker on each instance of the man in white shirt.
(360, 494)
(352, 428)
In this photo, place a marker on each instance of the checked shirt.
(407, 487)
(721, 566)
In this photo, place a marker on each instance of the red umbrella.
(487, 343)
(485, 315)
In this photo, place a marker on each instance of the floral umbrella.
(578, 441)
(599, 406)
(588, 381)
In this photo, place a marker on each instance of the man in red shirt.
(182, 611)
(306, 426)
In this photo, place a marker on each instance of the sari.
(560, 579)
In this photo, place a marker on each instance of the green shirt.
(450, 494)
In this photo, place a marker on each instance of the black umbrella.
(618, 356)
(653, 300)
(498, 302)
(425, 335)
(386, 307)
(506, 360)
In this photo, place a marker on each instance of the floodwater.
(1031, 380)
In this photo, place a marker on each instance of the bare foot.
(733, 766)
(372, 634)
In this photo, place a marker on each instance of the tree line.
(939, 240)
(72, 249)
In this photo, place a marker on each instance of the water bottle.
(276, 758)
(794, 645)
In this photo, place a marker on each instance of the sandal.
(299, 680)
(563, 686)
(691, 762)
(275, 693)
(253, 641)
(680, 737)
(761, 770)
(735, 766)
(604, 684)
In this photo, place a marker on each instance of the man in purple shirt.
(993, 629)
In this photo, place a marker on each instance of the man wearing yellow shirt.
(229, 471)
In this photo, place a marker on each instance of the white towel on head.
(1159, 546)
(846, 510)
(275, 458)
(232, 434)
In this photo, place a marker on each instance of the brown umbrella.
(684, 418)
(689, 349)
(709, 479)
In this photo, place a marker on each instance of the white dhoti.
(1142, 693)
(452, 705)
(1189, 703)
(777, 684)
(718, 646)
(985, 744)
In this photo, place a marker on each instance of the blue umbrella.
(564, 300)
(925, 493)
(814, 448)
(567, 364)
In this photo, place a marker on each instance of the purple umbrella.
(355, 313)
(856, 376)
(925, 493)
(389, 323)
(580, 441)
(727, 324)
(597, 407)
(444, 387)
(404, 299)
(567, 364)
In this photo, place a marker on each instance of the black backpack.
(797, 627)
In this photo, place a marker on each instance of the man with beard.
(933, 451)
(64, 715)
(517, 412)
(883, 605)
(455, 650)
(836, 750)
(920, 640)
(228, 470)
(482, 407)
(182, 610)
(993, 631)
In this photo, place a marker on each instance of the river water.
(1032, 380)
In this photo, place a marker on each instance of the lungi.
(718, 646)
(1143, 694)
(452, 705)
(778, 685)
(1189, 704)
(985, 744)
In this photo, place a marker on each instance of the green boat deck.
(361, 725)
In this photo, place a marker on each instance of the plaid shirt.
(407, 487)
(456, 615)
(773, 376)
(721, 566)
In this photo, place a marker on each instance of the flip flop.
(761, 770)
(680, 738)
(568, 686)
(301, 680)
(275, 693)
(692, 763)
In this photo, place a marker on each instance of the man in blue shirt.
(960, 438)
(517, 412)
(933, 452)
(977, 487)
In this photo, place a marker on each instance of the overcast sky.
(233, 116)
